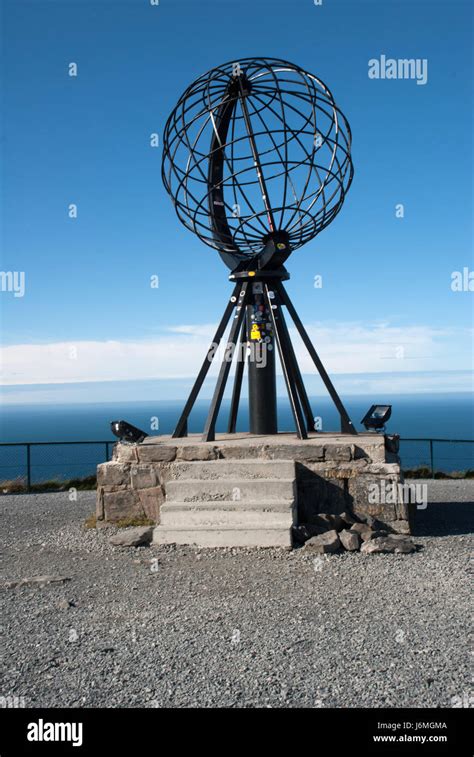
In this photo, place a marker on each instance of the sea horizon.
(440, 415)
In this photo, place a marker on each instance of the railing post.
(28, 467)
(431, 458)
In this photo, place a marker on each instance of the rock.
(305, 531)
(368, 494)
(65, 604)
(113, 474)
(350, 540)
(151, 501)
(329, 521)
(132, 537)
(197, 452)
(384, 469)
(327, 542)
(376, 534)
(339, 454)
(121, 504)
(240, 452)
(143, 476)
(398, 544)
(371, 522)
(348, 518)
(99, 504)
(125, 453)
(362, 529)
(307, 452)
(336, 521)
(35, 581)
(401, 526)
(156, 453)
(402, 509)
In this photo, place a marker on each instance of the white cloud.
(344, 348)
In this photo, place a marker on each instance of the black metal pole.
(261, 364)
(28, 467)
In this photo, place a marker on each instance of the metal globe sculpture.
(254, 148)
(257, 161)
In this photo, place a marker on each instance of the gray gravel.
(184, 627)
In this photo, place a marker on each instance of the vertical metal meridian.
(210, 428)
(182, 425)
(347, 426)
(256, 157)
(215, 178)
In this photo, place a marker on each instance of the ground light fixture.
(376, 417)
(127, 433)
(257, 162)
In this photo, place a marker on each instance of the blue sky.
(89, 314)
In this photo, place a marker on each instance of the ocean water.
(440, 416)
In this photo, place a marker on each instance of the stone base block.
(224, 537)
(249, 490)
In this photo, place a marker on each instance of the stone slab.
(224, 537)
(239, 489)
(232, 469)
(222, 518)
(287, 446)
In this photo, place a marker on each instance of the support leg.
(239, 372)
(347, 426)
(288, 348)
(209, 428)
(182, 425)
(287, 368)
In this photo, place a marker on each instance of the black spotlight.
(376, 417)
(127, 433)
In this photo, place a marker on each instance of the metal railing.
(467, 462)
(36, 465)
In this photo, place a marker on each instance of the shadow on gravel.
(445, 519)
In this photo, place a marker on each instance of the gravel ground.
(184, 627)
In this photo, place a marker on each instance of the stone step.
(241, 469)
(223, 514)
(224, 537)
(277, 506)
(223, 518)
(233, 490)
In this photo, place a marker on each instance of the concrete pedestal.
(248, 490)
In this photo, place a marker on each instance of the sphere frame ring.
(254, 149)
